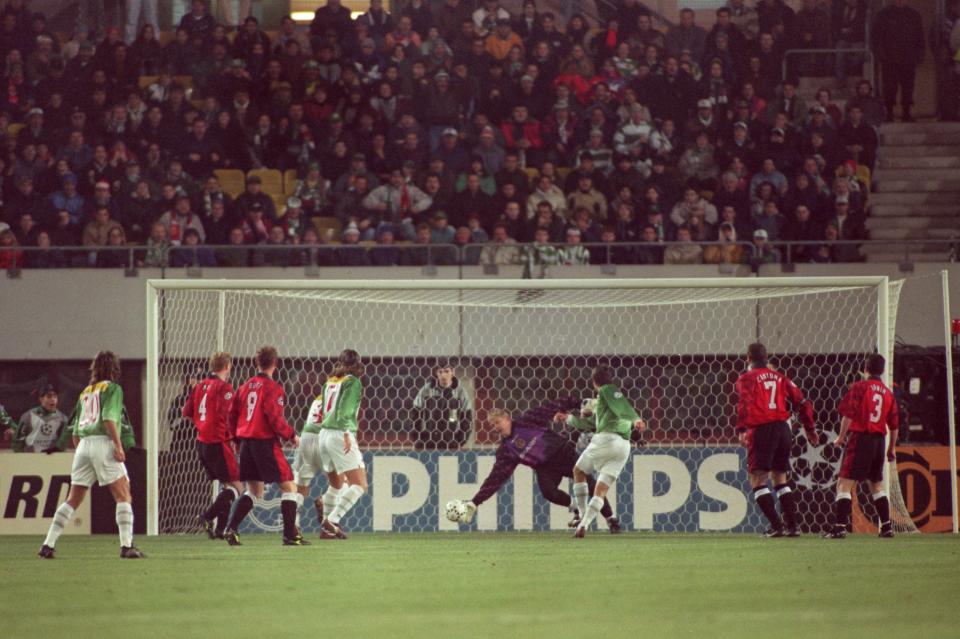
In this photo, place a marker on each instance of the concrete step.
(906, 210)
(917, 151)
(911, 234)
(893, 162)
(882, 175)
(885, 257)
(920, 127)
(949, 138)
(948, 224)
(912, 185)
(899, 247)
(913, 198)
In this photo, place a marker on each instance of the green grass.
(507, 585)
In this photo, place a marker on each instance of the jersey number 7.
(771, 387)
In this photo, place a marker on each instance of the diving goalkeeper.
(529, 441)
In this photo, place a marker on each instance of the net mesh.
(676, 353)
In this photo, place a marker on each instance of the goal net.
(676, 347)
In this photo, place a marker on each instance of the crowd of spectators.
(502, 138)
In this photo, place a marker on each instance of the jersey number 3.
(771, 387)
(877, 408)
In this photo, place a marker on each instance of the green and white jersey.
(339, 406)
(98, 403)
(5, 420)
(39, 430)
(613, 414)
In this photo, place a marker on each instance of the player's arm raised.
(502, 469)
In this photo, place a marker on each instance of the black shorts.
(263, 460)
(864, 457)
(770, 448)
(219, 461)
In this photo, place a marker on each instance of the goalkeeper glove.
(471, 511)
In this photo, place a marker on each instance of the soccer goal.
(677, 346)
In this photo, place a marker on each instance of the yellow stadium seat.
(14, 128)
(279, 202)
(186, 81)
(232, 180)
(166, 37)
(270, 179)
(532, 174)
(323, 223)
(147, 80)
(290, 178)
(562, 173)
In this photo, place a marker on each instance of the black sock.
(842, 510)
(288, 509)
(788, 504)
(241, 508)
(220, 506)
(882, 505)
(765, 501)
(606, 511)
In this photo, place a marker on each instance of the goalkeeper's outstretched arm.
(502, 469)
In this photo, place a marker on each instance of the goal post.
(676, 344)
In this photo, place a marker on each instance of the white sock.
(593, 509)
(299, 504)
(125, 523)
(330, 500)
(60, 520)
(580, 494)
(348, 497)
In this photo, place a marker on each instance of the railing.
(868, 62)
(430, 256)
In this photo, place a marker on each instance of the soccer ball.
(455, 510)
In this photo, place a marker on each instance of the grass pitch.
(536, 585)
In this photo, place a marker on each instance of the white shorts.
(332, 457)
(307, 461)
(607, 454)
(94, 462)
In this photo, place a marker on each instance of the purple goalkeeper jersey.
(530, 443)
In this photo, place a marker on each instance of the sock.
(60, 520)
(842, 509)
(580, 493)
(220, 508)
(764, 499)
(330, 500)
(607, 510)
(592, 510)
(882, 504)
(288, 509)
(788, 504)
(125, 524)
(241, 508)
(348, 497)
(299, 504)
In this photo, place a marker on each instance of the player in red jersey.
(868, 411)
(209, 406)
(257, 415)
(763, 395)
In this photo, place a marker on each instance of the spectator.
(859, 138)
(397, 202)
(11, 256)
(351, 253)
(686, 36)
(158, 248)
(46, 257)
(40, 427)
(574, 253)
(190, 253)
(540, 253)
(698, 164)
(849, 32)
(386, 252)
(770, 220)
(179, 219)
(763, 251)
(685, 251)
(873, 111)
(254, 196)
(588, 198)
(728, 251)
(502, 248)
(119, 256)
(692, 200)
(97, 230)
(803, 228)
(235, 255)
(898, 42)
(443, 411)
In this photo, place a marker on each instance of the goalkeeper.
(529, 441)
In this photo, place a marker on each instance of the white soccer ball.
(455, 510)
(588, 407)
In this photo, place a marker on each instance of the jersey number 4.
(771, 387)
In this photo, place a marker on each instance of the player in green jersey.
(612, 421)
(330, 444)
(99, 456)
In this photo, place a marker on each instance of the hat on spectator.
(561, 105)
(47, 388)
(102, 184)
(442, 75)
(336, 117)
(35, 111)
(622, 157)
(574, 231)
(237, 63)
(86, 46)
(409, 164)
(596, 132)
(294, 202)
(741, 125)
(526, 78)
(313, 166)
(351, 230)
(439, 215)
(358, 157)
(503, 20)
(743, 104)
(777, 131)
(311, 64)
(254, 179)
(818, 109)
(760, 234)
(256, 206)
(704, 104)
(450, 131)
(486, 132)
(4, 227)
(132, 162)
(368, 42)
(68, 177)
(586, 155)
(636, 107)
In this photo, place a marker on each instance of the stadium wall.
(56, 314)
